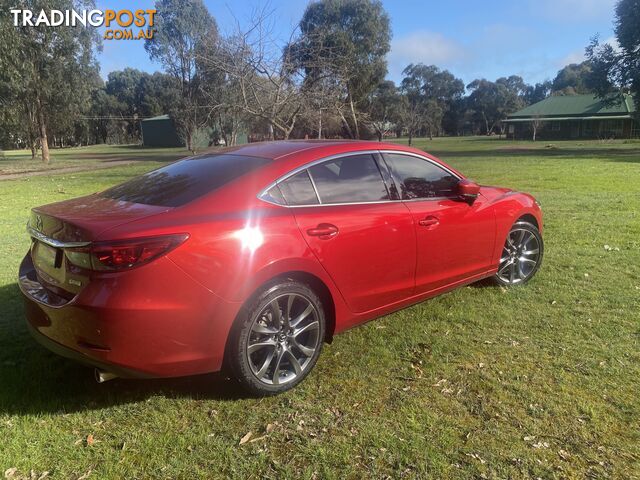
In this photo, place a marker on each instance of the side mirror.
(468, 190)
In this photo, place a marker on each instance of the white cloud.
(573, 57)
(424, 47)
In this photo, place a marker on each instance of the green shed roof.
(576, 106)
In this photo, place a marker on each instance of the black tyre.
(521, 255)
(277, 338)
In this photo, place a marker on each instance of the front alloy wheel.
(521, 255)
(279, 340)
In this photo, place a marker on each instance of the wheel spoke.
(505, 266)
(306, 351)
(302, 316)
(519, 271)
(265, 365)
(294, 362)
(263, 329)
(308, 327)
(535, 251)
(276, 369)
(254, 347)
(512, 272)
(527, 260)
(287, 317)
(521, 237)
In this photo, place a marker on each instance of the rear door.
(455, 238)
(362, 236)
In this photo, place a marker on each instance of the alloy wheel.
(283, 339)
(520, 256)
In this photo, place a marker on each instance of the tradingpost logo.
(120, 24)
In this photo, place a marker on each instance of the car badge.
(38, 222)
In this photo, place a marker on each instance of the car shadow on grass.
(36, 381)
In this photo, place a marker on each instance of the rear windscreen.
(184, 181)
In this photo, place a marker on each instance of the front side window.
(418, 178)
(349, 179)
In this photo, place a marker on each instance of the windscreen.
(185, 180)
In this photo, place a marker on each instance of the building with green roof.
(161, 131)
(575, 116)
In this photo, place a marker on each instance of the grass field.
(534, 382)
(19, 161)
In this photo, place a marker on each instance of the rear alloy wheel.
(279, 340)
(521, 255)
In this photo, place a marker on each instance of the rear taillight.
(123, 254)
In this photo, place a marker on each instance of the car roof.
(275, 150)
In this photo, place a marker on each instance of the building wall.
(160, 133)
(572, 129)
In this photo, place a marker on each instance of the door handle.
(323, 230)
(429, 221)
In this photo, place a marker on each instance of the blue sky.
(531, 38)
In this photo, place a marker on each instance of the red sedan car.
(251, 257)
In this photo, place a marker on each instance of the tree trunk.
(320, 125)
(42, 130)
(346, 124)
(354, 117)
(34, 150)
(486, 122)
(410, 137)
(188, 138)
(535, 130)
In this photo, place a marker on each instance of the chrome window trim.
(306, 166)
(52, 242)
(315, 188)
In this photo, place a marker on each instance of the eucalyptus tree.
(615, 70)
(345, 41)
(49, 73)
(181, 27)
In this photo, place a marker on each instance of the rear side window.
(185, 180)
(349, 179)
(298, 190)
(418, 178)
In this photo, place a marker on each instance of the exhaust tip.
(102, 376)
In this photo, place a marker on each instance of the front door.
(455, 239)
(364, 241)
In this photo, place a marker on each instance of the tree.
(536, 93)
(618, 70)
(254, 78)
(573, 79)
(383, 108)
(536, 123)
(182, 26)
(49, 71)
(436, 89)
(347, 39)
(491, 102)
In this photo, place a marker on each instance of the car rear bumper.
(154, 321)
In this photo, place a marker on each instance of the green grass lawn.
(20, 161)
(539, 381)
